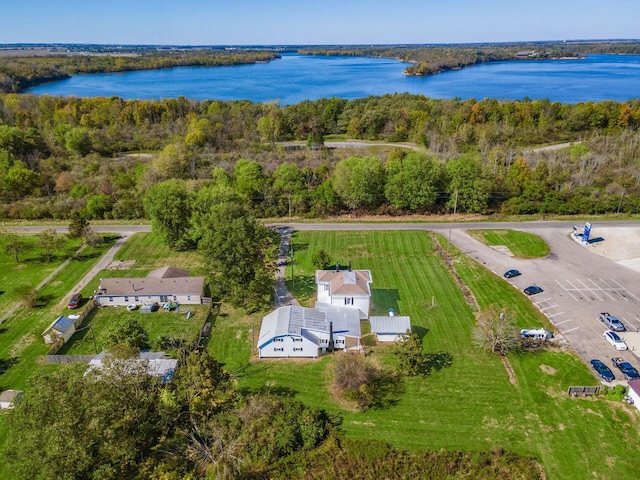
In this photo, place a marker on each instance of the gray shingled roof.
(151, 286)
(168, 272)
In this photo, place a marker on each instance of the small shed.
(390, 328)
(9, 398)
(634, 392)
(62, 328)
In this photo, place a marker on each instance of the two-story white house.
(294, 331)
(345, 288)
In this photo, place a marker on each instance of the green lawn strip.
(521, 244)
(29, 271)
(150, 252)
(572, 432)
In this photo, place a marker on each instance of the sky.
(323, 22)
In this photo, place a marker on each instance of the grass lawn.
(470, 405)
(21, 342)
(157, 324)
(521, 244)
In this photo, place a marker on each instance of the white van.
(536, 334)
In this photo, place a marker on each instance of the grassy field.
(471, 405)
(521, 244)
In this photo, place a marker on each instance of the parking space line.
(591, 291)
(627, 291)
(602, 290)
(615, 290)
(555, 315)
(576, 289)
(564, 321)
(567, 331)
(566, 290)
(547, 308)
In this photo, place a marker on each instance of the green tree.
(413, 182)
(78, 225)
(77, 140)
(321, 259)
(50, 241)
(241, 255)
(249, 181)
(20, 181)
(14, 244)
(169, 207)
(469, 185)
(360, 181)
(126, 332)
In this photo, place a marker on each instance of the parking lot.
(578, 284)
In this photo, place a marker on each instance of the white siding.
(289, 346)
(635, 397)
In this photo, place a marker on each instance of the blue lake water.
(294, 78)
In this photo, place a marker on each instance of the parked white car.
(614, 340)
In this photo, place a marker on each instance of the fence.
(584, 391)
(69, 358)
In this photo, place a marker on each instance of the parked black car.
(512, 273)
(629, 372)
(533, 290)
(604, 371)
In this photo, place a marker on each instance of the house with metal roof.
(294, 331)
(345, 288)
(167, 284)
(62, 328)
(390, 328)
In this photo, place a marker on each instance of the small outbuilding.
(9, 398)
(390, 328)
(61, 328)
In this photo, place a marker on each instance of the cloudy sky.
(296, 22)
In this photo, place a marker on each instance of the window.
(175, 298)
(348, 301)
(296, 339)
(278, 349)
(135, 298)
(279, 339)
(126, 299)
(188, 298)
(295, 349)
(111, 299)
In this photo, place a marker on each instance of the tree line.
(60, 155)
(18, 73)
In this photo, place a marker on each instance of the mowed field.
(471, 405)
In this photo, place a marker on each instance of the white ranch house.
(167, 284)
(345, 288)
(294, 331)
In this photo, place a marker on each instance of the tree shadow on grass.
(7, 363)
(420, 331)
(435, 362)
(387, 391)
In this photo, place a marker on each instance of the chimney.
(349, 265)
(337, 266)
(331, 345)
